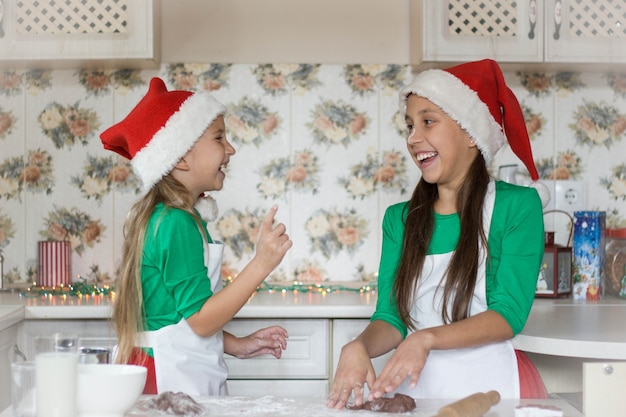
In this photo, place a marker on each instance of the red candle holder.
(54, 263)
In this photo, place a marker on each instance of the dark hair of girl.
(461, 275)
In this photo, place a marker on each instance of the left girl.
(171, 308)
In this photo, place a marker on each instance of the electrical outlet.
(570, 196)
(567, 197)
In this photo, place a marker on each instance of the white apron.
(450, 374)
(184, 361)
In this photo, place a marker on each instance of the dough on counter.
(176, 403)
(400, 403)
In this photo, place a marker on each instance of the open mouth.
(426, 157)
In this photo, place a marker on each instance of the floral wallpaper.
(324, 142)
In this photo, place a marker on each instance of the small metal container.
(89, 355)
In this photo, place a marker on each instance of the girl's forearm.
(230, 343)
(378, 338)
(221, 307)
(486, 327)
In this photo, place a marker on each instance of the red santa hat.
(161, 129)
(476, 96)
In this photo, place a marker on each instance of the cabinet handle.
(558, 18)
(18, 352)
(532, 18)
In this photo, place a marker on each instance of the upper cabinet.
(586, 31)
(553, 31)
(110, 32)
(461, 30)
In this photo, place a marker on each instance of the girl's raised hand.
(273, 242)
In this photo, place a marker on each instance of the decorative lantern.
(555, 275)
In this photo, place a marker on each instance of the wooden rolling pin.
(474, 405)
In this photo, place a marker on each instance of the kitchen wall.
(312, 93)
(323, 141)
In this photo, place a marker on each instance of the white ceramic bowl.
(108, 390)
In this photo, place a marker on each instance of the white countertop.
(576, 329)
(269, 406)
(10, 314)
(561, 327)
(264, 304)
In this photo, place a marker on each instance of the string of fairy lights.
(82, 287)
(79, 288)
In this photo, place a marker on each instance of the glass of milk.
(56, 364)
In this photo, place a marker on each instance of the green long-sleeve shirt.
(516, 243)
(173, 274)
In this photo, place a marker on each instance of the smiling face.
(201, 169)
(440, 148)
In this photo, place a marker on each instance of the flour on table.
(270, 406)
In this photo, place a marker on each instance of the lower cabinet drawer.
(279, 388)
(95, 333)
(306, 356)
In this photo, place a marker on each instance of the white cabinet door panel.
(465, 30)
(306, 356)
(585, 31)
(279, 388)
(77, 31)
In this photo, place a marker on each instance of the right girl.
(460, 260)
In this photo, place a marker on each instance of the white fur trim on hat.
(176, 138)
(462, 104)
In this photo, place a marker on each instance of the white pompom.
(207, 207)
(543, 191)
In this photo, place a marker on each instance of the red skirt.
(530, 382)
(141, 358)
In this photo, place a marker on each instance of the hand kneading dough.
(398, 404)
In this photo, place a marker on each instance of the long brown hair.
(128, 311)
(461, 274)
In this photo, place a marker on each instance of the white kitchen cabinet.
(533, 31)
(463, 30)
(113, 32)
(585, 31)
(293, 388)
(8, 338)
(91, 333)
(303, 369)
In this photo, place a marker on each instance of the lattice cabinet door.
(32, 30)
(586, 31)
(461, 30)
